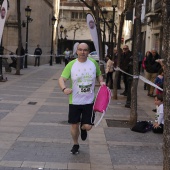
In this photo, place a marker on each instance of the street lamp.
(65, 39)
(104, 12)
(65, 33)
(27, 14)
(61, 30)
(61, 38)
(114, 5)
(53, 22)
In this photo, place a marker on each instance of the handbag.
(101, 102)
(142, 126)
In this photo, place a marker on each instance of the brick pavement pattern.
(34, 133)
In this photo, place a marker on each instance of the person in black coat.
(129, 81)
(152, 68)
(124, 65)
(37, 54)
(22, 55)
(115, 53)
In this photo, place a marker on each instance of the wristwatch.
(64, 89)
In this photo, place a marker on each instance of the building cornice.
(78, 3)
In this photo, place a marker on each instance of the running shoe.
(83, 133)
(75, 149)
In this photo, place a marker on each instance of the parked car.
(93, 55)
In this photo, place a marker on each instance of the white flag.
(3, 14)
(75, 48)
(93, 31)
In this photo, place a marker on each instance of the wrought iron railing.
(148, 6)
(157, 5)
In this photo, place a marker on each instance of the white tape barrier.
(140, 77)
(17, 56)
(8, 56)
(42, 55)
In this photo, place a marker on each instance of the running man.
(83, 72)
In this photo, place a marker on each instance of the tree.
(19, 37)
(166, 93)
(136, 47)
(128, 7)
(95, 8)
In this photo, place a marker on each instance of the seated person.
(159, 81)
(158, 126)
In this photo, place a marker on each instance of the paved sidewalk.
(34, 133)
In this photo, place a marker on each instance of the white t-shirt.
(83, 77)
(67, 54)
(159, 116)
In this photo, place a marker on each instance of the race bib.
(85, 89)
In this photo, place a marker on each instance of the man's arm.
(63, 87)
(100, 80)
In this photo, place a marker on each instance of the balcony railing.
(157, 5)
(148, 6)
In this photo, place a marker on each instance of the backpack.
(102, 101)
(142, 126)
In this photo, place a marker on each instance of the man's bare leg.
(86, 127)
(75, 133)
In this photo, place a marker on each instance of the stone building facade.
(71, 15)
(73, 18)
(152, 29)
(39, 30)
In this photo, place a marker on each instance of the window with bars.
(78, 16)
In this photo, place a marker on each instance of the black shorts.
(81, 113)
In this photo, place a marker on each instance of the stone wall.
(39, 30)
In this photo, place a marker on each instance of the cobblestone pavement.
(34, 133)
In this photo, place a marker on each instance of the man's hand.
(102, 83)
(156, 125)
(67, 91)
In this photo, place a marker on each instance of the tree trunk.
(128, 6)
(19, 37)
(166, 93)
(99, 33)
(96, 9)
(136, 49)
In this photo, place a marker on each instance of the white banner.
(75, 48)
(3, 14)
(93, 31)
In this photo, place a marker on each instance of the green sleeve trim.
(67, 70)
(67, 74)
